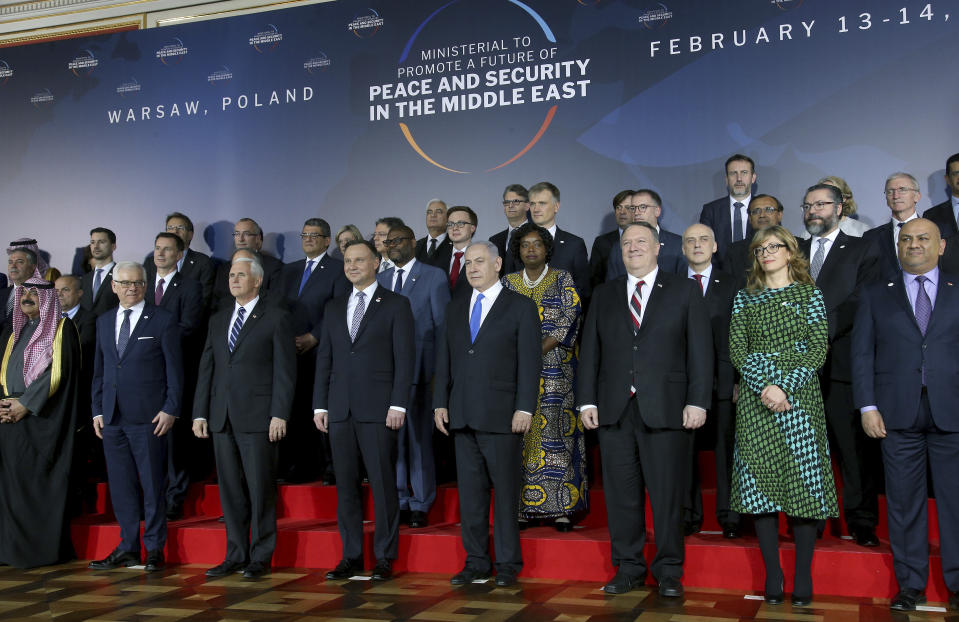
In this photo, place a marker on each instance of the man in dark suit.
(647, 207)
(247, 235)
(841, 265)
(193, 264)
(764, 211)
(244, 394)
(645, 381)
(902, 195)
(944, 214)
(383, 226)
(728, 216)
(718, 290)
(426, 288)
(605, 259)
(98, 295)
(516, 209)
(183, 297)
(904, 383)
(364, 371)
(435, 231)
(21, 265)
(487, 383)
(308, 284)
(569, 250)
(461, 222)
(137, 392)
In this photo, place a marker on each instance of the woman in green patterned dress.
(777, 341)
(554, 449)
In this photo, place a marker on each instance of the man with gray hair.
(248, 236)
(427, 245)
(137, 393)
(244, 394)
(902, 195)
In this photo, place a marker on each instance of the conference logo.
(173, 52)
(655, 17)
(130, 87)
(266, 40)
(6, 72)
(84, 64)
(366, 25)
(786, 5)
(223, 74)
(43, 99)
(317, 64)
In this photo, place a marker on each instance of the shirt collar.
(831, 237)
(490, 294)
(932, 275)
(439, 239)
(706, 273)
(248, 306)
(406, 267)
(552, 230)
(368, 292)
(648, 278)
(316, 260)
(72, 312)
(745, 201)
(895, 222)
(137, 308)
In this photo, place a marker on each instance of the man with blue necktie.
(904, 360)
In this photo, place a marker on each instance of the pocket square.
(142, 338)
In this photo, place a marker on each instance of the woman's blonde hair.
(848, 203)
(797, 263)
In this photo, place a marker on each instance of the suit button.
(635, 348)
(119, 366)
(469, 351)
(923, 346)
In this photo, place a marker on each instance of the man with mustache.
(727, 216)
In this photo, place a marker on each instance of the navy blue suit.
(671, 257)
(944, 217)
(716, 215)
(128, 391)
(889, 353)
(881, 238)
(569, 253)
(428, 292)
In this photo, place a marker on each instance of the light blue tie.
(476, 317)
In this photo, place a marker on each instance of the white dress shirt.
(166, 281)
(649, 280)
(489, 297)
(744, 216)
(814, 246)
(246, 317)
(706, 274)
(896, 228)
(406, 268)
(137, 311)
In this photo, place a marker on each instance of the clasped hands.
(775, 399)
(11, 410)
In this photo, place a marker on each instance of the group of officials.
(403, 335)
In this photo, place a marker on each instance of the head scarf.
(39, 351)
(31, 244)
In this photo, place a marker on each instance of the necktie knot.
(398, 285)
(921, 279)
(699, 281)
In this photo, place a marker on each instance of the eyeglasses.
(458, 224)
(901, 190)
(512, 202)
(175, 228)
(641, 208)
(756, 211)
(818, 205)
(312, 236)
(244, 234)
(134, 284)
(395, 241)
(769, 249)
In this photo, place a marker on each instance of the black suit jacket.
(442, 259)
(605, 248)
(363, 378)
(881, 239)
(569, 253)
(422, 252)
(183, 298)
(715, 214)
(738, 261)
(719, 297)
(482, 383)
(671, 257)
(943, 216)
(669, 361)
(326, 282)
(196, 266)
(255, 382)
(222, 298)
(509, 263)
(86, 324)
(852, 263)
(105, 299)
(4, 296)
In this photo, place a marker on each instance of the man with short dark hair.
(461, 222)
(247, 235)
(383, 226)
(946, 214)
(516, 209)
(308, 284)
(764, 211)
(648, 207)
(605, 259)
(21, 265)
(97, 298)
(193, 264)
(728, 216)
(427, 245)
(569, 250)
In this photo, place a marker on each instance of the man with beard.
(727, 216)
(841, 265)
(40, 371)
(98, 295)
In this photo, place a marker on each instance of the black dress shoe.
(224, 569)
(777, 598)
(954, 600)
(866, 536)
(505, 579)
(907, 599)
(418, 519)
(670, 587)
(691, 528)
(468, 575)
(799, 600)
(329, 478)
(563, 526)
(383, 570)
(116, 559)
(730, 531)
(155, 561)
(255, 570)
(622, 583)
(345, 569)
(174, 512)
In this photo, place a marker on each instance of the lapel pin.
(659, 284)
(843, 246)
(949, 283)
(146, 317)
(321, 267)
(253, 317)
(378, 299)
(890, 284)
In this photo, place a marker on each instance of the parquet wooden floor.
(72, 592)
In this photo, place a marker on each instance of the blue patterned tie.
(306, 276)
(357, 315)
(476, 317)
(237, 325)
(124, 338)
(398, 286)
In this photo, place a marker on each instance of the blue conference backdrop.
(356, 109)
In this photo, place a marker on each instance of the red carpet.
(308, 538)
